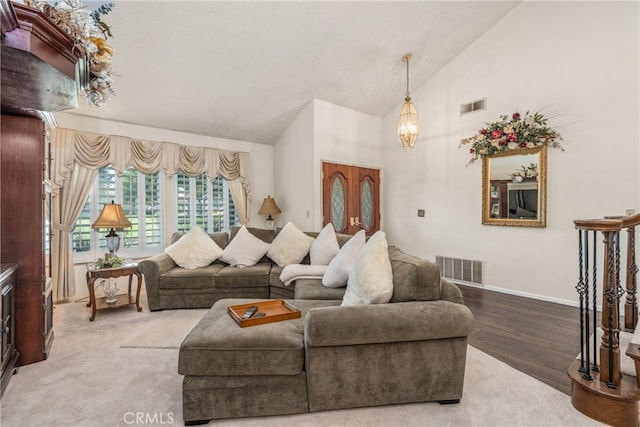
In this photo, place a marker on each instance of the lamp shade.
(112, 216)
(269, 207)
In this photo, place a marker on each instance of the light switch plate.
(630, 212)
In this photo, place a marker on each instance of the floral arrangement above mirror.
(527, 172)
(511, 134)
(85, 26)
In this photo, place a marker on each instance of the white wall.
(322, 132)
(575, 62)
(343, 136)
(293, 154)
(262, 174)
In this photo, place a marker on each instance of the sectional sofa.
(170, 286)
(412, 349)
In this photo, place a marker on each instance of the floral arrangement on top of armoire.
(85, 25)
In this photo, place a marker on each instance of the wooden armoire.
(38, 78)
(25, 235)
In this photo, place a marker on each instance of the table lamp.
(111, 217)
(269, 207)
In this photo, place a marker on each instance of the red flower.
(513, 137)
(523, 144)
(516, 116)
(483, 131)
(496, 134)
(471, 150)
(503, 143)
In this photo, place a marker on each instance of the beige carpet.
(168, 332)
(91, 379)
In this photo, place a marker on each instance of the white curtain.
(67, 206)
(78, 155)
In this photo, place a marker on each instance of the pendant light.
(408, 120)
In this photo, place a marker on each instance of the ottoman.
(244, 372)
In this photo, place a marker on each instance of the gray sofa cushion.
(199, 278)
(313, 289)
(410, 321)
(414, 279)
(274, 278)
(217, 345)
(243, 277)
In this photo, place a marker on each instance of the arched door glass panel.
(366, 205)
(337, 204)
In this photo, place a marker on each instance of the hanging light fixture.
(408, 120)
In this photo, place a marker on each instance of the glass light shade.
(408, 124)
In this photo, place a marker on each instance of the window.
(139, 196)
(203, 202)
(199, 201)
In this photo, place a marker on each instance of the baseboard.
(522, 294)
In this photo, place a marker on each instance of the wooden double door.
(351, 198)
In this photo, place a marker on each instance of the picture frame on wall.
(494, 192)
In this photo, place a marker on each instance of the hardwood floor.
(539, 338)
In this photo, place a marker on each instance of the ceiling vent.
(470, 107)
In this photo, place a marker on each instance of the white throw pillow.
(371, 279)
(325, 247)
(244, 250)
(290, 246)
(193, 250)
(337, 273)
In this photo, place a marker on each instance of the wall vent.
(466, 270)
(470, 107)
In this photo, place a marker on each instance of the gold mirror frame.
(541, 219)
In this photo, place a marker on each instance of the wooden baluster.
(631, 302)
(609, 346)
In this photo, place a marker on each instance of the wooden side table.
(129, 268)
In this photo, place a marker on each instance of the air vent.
(466, 270)
(470, 107)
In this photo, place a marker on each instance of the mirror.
(514, 188)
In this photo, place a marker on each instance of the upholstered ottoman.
(244, 372)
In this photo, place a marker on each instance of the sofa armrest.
(152, 268)
(450, 292)
(384, 323)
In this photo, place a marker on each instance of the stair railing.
(598, 387)
(587, 287)
(631, 277)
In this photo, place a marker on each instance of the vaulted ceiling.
(244, 70)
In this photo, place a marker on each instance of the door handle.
(354, 222)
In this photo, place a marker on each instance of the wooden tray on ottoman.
(274, 310)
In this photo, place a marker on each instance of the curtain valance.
(95, 151)
(76, 157)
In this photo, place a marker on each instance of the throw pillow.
(193, 250)
(371, 280)
(338, 270)
(290, 246)
(325, 247)
(244, 250)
